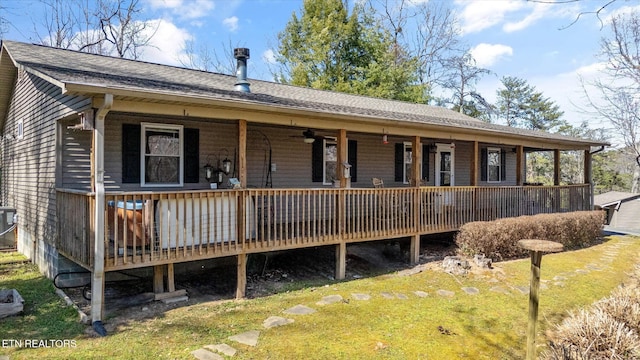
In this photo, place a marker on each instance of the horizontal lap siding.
(29, 164)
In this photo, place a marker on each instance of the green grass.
(11, 257)
(489, 325)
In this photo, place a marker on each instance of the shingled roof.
(72, 69)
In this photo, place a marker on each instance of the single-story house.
(118, 164)
(622, 208)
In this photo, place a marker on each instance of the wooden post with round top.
(536, 248)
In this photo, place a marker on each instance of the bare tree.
(619, 93)
(103, 27)
(462, 79)
(207, 59)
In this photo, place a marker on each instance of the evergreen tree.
(329, 48)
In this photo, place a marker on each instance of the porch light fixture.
(385, 139)
(208, 172)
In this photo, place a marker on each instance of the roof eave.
(158, 95)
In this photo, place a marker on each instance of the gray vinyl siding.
(29, 164)
(290, 155)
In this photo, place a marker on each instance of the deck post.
(158, 279)
(242, 153)
(414, 252)
(97, 276)
(474, 165)
(171, 285)
(556, 167)
(588, 178)
(341, 261)
(241, 276)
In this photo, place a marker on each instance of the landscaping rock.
(455, 265)
(482, 261)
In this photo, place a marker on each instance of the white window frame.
(143, 145)
(407, 147)
(325, 142)
(20, 129)
(494, 150)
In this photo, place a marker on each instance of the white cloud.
(479, 15)
(185, 9)
(488, 54)
(539, 11)
(231, 23)
(269, 56)
(617, 12)
(167, 44)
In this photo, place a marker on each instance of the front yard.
(418, 313)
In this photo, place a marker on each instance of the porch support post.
(341, 260)
(556, 167)
(588, 178)
(242, 153)
(97, 277)
(474, 165)
(416, 178)
(519, 163)
(241, 276)
(342, 158)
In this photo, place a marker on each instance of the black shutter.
(503, 165)
(352, 154)
(317, 152)
(130, 153)
(425, 162)
(191, 155)
(483, 164)
(399, 162)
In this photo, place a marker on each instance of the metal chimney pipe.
(241, 54)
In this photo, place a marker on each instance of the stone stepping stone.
(522, 289)
(421, 294)
(249, 338)
(331, 299)
(299, 310)
(203, 354)
(493, 280)
(387, 295)
(593, 267)
(581, 271)
(499, 289)
(363, 297)
(446, 293)
(223, 349)
(559, 283)
(471, 290)
(402, 296)
(559, 278)
(273, 321)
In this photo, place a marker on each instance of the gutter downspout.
(97, 280)
(590, 175)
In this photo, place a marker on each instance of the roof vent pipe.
(241, 54)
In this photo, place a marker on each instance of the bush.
(498, 239)
(593, 335)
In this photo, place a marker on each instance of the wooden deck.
(155, 228)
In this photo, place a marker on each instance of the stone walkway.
(251, 338)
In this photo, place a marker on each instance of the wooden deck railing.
(151, 228)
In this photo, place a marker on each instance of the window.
(408, 156)
(162, 155)
(20, 129)
(494, 168)
(330, 161)
(493, 165)
(324, 160)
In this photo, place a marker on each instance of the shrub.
(593, 335)
(498, 239)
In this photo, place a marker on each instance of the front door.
(445, 170)
(445, 165)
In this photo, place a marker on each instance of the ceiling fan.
(308, 136)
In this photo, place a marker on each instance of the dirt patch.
(128, 300)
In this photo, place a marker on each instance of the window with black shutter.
(163, 155)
